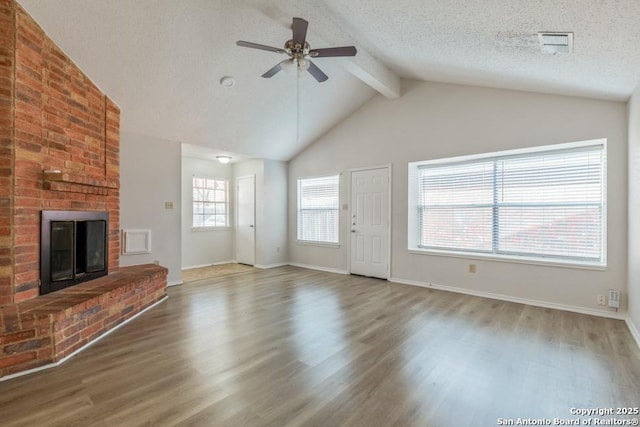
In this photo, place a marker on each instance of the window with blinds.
(318, 209)
(542, 204)
(210, 203)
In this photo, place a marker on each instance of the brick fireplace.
(52, 118)
(59, 151)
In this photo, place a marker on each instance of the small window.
(318, 209)
(546, 203)
(210, 203)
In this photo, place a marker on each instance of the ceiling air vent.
(553, 42)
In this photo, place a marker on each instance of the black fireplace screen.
(73, 248)
(62, 245)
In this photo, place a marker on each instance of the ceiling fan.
(298, 51)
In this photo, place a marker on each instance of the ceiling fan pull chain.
(297, 108)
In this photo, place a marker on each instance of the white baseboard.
(280, 264)
(315, 267)
(174, 283)
(84, 347)
(633, 329)
(191, 267)
(508, 298)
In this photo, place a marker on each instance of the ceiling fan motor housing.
(296, 51)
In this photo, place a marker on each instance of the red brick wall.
(60, 121)
(7, 62)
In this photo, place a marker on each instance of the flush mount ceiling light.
(556, 42)
(223, 159)
(227, 81)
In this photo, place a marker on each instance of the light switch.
(345, 206)
(168, 205)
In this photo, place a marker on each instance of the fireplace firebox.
(73, 248)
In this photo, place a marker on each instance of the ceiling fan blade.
(333, 51)
(275, 70)
(260, 46)
(317, 73)
(299, 31)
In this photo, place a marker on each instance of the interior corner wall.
(436, 120)
(273, 246)
(205, 247)
(634, 211)
(270, 208)
(150, 177)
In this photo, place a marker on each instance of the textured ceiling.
(161, 60)
(494, 42)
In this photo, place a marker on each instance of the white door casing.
(245, 225)
(369, 222)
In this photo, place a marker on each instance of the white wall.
(205, 247)
(149, 177)
(271, 208)
(435, 120)
(634, 212)
(273, 246)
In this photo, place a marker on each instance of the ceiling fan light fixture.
(303, 64)
(288, 65)
(223, 159)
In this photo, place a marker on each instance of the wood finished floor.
(289, 347)
(214, 271)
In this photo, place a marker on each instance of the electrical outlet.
(601, 300)
(157, 262)
(472, 268)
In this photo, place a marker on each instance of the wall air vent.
(554, 42)
(614, 298)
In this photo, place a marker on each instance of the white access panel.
(136, 242)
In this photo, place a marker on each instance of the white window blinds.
(545, 204)
(318, 209)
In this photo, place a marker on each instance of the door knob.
(251, 226)
(353, 231)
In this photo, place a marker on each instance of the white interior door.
(245, 225)
(370, 222)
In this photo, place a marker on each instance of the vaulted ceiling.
(161, 61)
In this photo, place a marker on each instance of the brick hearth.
(59, 150)
(46, 329)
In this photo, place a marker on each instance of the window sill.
(325, 244)
(509, 259)
(198, 229)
